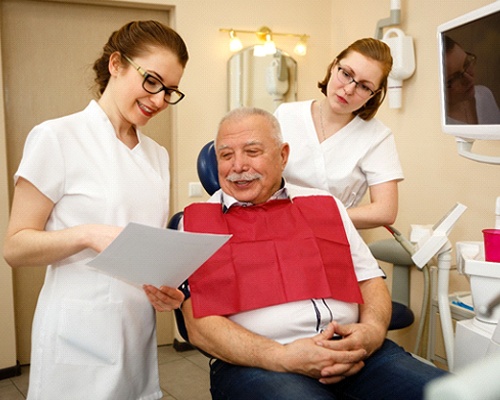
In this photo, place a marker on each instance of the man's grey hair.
(243, 112)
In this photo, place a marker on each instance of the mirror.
(261, 81)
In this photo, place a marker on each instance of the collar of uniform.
(229, 201)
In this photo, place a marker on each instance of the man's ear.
(285, 152)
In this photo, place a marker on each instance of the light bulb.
(234, 42)
(269, 47)
(259, 51)
(301, 47)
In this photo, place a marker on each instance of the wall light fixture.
(266, 43)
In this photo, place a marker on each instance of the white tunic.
(361, 154)
(94, 336)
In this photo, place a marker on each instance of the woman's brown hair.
(134, 38)
(376, 50)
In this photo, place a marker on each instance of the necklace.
(321, 121)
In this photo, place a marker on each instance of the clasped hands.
(330, 361)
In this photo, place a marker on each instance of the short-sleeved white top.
(361, 154)
(94, 336)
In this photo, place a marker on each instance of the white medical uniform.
(361, 154)
(94, 336)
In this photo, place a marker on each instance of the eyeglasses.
(469, 64)
(361, 89)
(153, 85)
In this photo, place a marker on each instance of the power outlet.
(195, 189)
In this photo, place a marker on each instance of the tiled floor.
(183, 376)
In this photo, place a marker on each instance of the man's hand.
(310, 357)
(359, 339)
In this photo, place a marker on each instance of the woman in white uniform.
(82, 178)
(337, 145)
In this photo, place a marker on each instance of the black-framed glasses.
(469, 64)
(153, 85)
(346, 78)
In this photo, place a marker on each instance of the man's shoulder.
(295, 191)
(302, 191)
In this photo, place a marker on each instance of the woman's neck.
(328, 123)
(124, 131)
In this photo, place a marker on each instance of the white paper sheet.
(146, 255)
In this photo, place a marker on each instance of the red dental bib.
(280, 251)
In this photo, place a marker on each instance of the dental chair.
(207, 172)
(392, 252)
(389, 250)
(398, 251)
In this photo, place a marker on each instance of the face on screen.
(460, 68)
(471, 66)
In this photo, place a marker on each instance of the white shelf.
(482, 268)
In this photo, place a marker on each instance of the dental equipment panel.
(431, 245)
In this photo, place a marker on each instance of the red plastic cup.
(491, 245)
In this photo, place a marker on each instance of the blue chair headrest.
(207, 168)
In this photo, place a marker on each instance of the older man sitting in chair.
(294, 306)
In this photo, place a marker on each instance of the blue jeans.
(390, 373)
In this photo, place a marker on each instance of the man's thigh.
(231, 382)
(390, 373)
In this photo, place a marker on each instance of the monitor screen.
(470, 74)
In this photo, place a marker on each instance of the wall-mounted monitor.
(469, 61)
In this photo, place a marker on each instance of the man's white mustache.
(245, 176)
